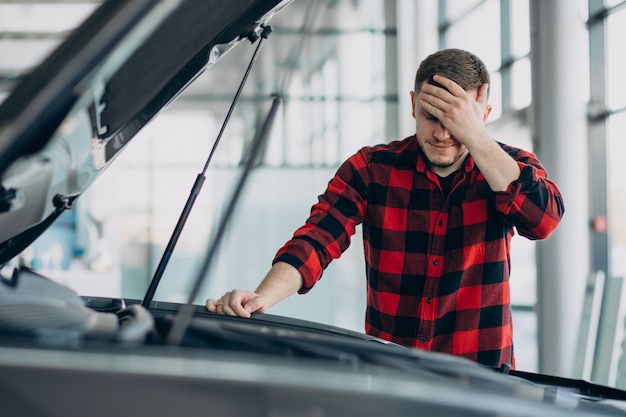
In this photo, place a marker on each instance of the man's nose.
(441, 133)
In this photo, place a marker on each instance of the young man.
(438, 210)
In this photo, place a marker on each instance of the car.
(64, 354)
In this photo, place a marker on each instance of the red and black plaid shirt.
(437, 264)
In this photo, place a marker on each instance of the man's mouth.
(441, 147)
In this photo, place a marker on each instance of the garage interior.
(343, 70)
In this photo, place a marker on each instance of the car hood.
(67, 120)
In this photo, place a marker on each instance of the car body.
(62, 354)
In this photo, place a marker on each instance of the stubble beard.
(446, 164)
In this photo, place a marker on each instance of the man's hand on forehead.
(462, 112)
(431, 81)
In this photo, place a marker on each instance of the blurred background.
(344, 70)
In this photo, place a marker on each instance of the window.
(616, 125)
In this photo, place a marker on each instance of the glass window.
(28, 35)
(617, 193)
(458, 8)
(495, 96)
(331, 113)
(616, 59)
(19, 55)
(521, 85)
(520, 28)
(35, 17)
(479, 33)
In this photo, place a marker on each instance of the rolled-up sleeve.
(332, 222)
(532, 203)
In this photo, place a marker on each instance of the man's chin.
(445, 162)
(441, 163)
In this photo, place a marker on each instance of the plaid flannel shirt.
(437, 265)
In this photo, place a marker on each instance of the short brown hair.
(462, 67)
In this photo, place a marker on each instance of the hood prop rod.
(197, 186)
(185, 313)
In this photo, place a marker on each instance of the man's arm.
(280, 282)
(498, 167)
(324, 237)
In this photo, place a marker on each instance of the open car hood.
(69, 118)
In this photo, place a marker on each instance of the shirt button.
(429, 300)
(436, 262)
(423, 339)
(440, 222)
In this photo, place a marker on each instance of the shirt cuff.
(528, 179)
(308, 278)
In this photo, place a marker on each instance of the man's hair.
(462, 67)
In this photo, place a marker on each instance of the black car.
(62, 354)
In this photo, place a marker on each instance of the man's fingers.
(228, 310)
(254, 306)
(431, 102)
(211, 305)
(237, 300)
(449, 85)
(231, 304)
(215, 306)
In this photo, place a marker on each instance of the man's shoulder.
(515, 152)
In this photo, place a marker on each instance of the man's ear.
(487, 112)
(413, 104)
(482, 96)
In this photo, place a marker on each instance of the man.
(438, 210)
